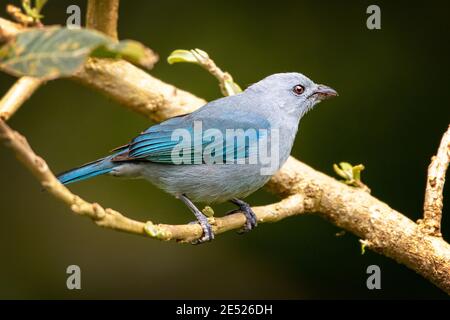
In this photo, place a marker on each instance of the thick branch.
(17, 95)
(305, 190)
(385, 230)
(102, 15)
(136, 89)
(434, 197)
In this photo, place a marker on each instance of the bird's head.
(292, 92)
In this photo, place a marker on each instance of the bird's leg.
(208, 234)
(251, 220)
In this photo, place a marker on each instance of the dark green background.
(392, 110)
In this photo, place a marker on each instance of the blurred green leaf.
(34, 12)
(40, 4)
(130, 50)
(53, 52)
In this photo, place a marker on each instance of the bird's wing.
(157, 143)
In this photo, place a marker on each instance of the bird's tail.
(87, 171)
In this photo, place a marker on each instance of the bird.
(209, 165)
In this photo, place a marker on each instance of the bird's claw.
(208, 234)
(251, 221)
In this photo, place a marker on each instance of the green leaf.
(190, 56)
(347, 171)
(130, 50)
(201, 58)
(53, 52)
(34, 12)
(363, 248)
(40, 4)
(356, 170)
(351, 174)
(27, 7)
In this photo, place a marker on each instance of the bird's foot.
(208, 234)
(251, 220)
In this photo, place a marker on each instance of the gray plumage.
(277, 102)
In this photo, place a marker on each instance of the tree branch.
(384, 230)
(226, 83)
(17, 95)
(17, 14)
(102, 15)
(432, 215)
(136, 89)
(113, 219)
(8, 29)
(39, 168)
(304, 189)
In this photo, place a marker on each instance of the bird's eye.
(298, 89)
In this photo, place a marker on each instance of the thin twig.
(434, 198)
(209, 65)
(17, 95)
(17, 14)
(39, 168)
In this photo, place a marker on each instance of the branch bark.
(39, 168)
(8, 29)
(382, 228)
(17, 95)
(303, 189)
(102, 15)
(434, 198)
(136, 89)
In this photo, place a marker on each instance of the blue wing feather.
(157, 142)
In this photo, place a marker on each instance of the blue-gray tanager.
(223, 151)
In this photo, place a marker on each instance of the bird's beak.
(323, 92)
